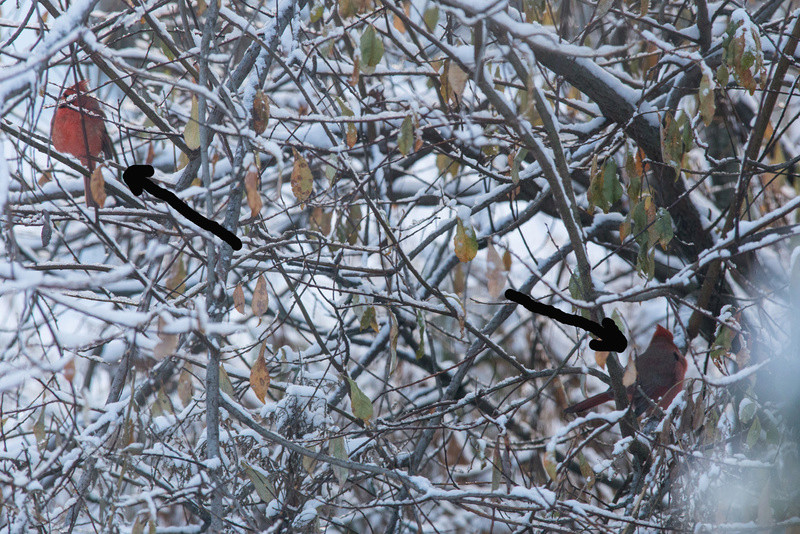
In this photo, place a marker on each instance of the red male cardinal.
(78, 128)
(659, 373)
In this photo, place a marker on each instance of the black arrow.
(137, 177)
(610, 337)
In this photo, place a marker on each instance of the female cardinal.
(78, 128)
(659, 373)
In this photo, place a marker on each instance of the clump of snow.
(463, 214)
(300, 412)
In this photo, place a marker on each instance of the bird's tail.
(591, 402)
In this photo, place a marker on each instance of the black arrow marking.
(610, 337)
(137, 178)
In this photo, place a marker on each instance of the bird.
(660, 370)
(78, 128)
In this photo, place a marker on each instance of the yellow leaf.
(259, 375)
(253, 196)
(347, 8)
(600, 357)
(168, 343)
(185, 387)
(465, 242)
(69, 370)
(352, 135)
(459, 279)
(238, 298)
(260, 112)
(624, 231)
(225, 385)
(586, 470)
(302, 180)
(177, 279)
(705, 96)
(550, 465)
(446, 165)
(319, 220)
(496, 280)
(629, 377)
(457, 80)
(97, 186)
(337, 450)
(191, 134)
(260, 297)
(398, 24)
(650, 210)
(38, 431)
(497, 466)
(360, 403)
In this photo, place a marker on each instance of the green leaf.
(722, 343)
(671, 143)
(663, 227)
(638, 217)
(431, 17)
(612, 189)
(687, 138)
(617, 318)
(316, 13)
(594, 195)
(646, 261)
(747, 60)
(405, 142)
(336, 449)
(586, 470)
(330, 173)
(346, 111)
(772, 431)
(603, 7)
(575, 286)
(723, 76)
(360, 403)
(754, 434)
(371, 47)
(747, 410)
(261, 483)
(518, 159)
